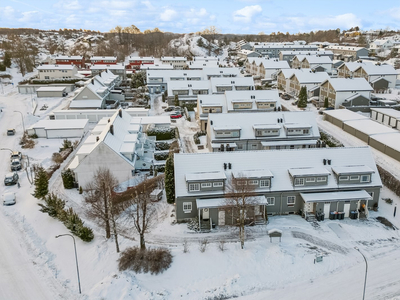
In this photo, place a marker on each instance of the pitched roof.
(311, 77)
(349, 84)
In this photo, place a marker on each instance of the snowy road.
(19, 279)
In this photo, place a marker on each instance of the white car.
(9, 199)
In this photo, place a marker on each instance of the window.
(253, 182)
(206, 185)
(298, 181)
(241, 182)
(291, 200)
(270, 200)
(187, 207)
(354, 177)
(365, 178)
(310, 179)
(343, 178)
(218, 184)
(264, 183)
(321, 179)
(194, 187)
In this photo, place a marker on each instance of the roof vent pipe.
(229, 166)
(224, 166)
(329, 161)
(97, 138)
(120, 113)
(112, 129)
(324, 161)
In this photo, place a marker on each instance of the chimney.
(112, 129)
(93, 81)
(329, 161)
(229, 166)
(97, 138)
(224, 166)
(108, 121)
(120, 113)
(324, 161)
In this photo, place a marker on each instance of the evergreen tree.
(68, 179)
(302, 102)
(326, 102)
(41, 183)
(176, 100)
(7, 59)
(53, 205)
(169, 179)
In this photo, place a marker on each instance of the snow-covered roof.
(141, 58)
(97, 58)
(56, 67)
(173, 58)
(205, 176)
(287, 73)
(253, 96)
(311, 77)
(69, 57)
(221, 202)
(231, 81)
(347, 48)
(316, 171)
(157, 120)
(369, 127)
(352, 169)
(345, 115)
(253, 174)
(314, 59)
(317, 52)
(105, 67)
(349, 84)
(269, 63)
(373, 70)
(60, 124)
(86, 104)
(388, 111)
(278, 162)
(248, 121)
(51, 89)
(391, 140)
(336, 196)
(156, 67)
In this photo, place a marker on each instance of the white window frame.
(194, 187)
(291, 197)
(189, 206)
(241, 182)
(264, 183)
(310, 179)
(270, 201)
(354, 177)
(321, 179)
(218, 184)
(343, 178)
(253, 182)
(368, 178)
(206, 184)
(299, 181)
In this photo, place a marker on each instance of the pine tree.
(176, 100)
(169, 179)
(302, 102)
(41, 183)
(68, 179)
(53, 205)
(326, 102)
(7, 59)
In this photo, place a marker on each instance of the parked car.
(10, 131)
(176, 115)
(9, 199)
(11, 179)
(285, 96)
(170, 108)
(16, 164)
(16, 154)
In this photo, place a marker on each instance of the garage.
(51, 91)
(57, 129)
(339, 116)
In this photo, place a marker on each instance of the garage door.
(68, 133)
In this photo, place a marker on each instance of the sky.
(185, 16)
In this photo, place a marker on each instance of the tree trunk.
(142, 242)
(106, 213)
(115, 236)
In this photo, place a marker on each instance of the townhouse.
(311, 80)
(339, 182)
(265, 67)
(76, 60)
(103, 60)
(116, 69)
(289, 55)
(345, 92)
(347, 53)
(179, 63)
(314, 62)
(261, 131)
(51, 72)
(134, 62)
(273, 50)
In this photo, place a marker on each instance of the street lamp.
(22, 117)
(366, 270)
(7, 149)
(76, 258)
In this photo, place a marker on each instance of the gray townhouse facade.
(339, 182)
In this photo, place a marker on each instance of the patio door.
(221, 217)
(206, 213)
(346, 210)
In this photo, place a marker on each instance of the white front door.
(346, 210)
(206, 214)
(327, 209)
(221, 217)
(257, 210)
(308, 207)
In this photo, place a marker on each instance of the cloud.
(246, 13)
(395, 13)
(29, 16)
(68, 5)
(118, 13)
(114, 4)
(168, 15)
(148, 5)
(7, 12)
(344, 21)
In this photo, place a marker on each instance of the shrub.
(197, 135)
(221, 245)
(193, 224)
(53, 205)
(162, 146)
(159, 168)
(203, 245)
(68, 179)
(161, 155)
(189, 106)
(162, 133)
(139, 260)
(57, 158)
(185, 246)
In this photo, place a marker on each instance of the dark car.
(285, 97)
(11, 179)
(170, 108)
(10, 131)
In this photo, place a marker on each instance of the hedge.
(162, 133)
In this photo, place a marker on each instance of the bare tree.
(240, 198)
(141, 208)
(102, 205)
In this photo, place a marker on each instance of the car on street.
(176, 115)
(11, 179)
(170, 108)
(285, 96)
(16, 154)
(16, 164)
(9, 199)
(11, 131)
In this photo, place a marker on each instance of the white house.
(179, 63)
(117, 144)
(381, 45)
(220, 85)
(46, 72)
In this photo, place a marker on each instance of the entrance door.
(327, 209)
(346, 210)
(308, 207)
(257, 211)
(221, 217)
(206, 214)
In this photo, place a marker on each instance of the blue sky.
(230, 16)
